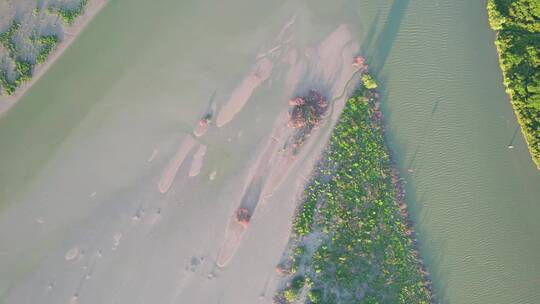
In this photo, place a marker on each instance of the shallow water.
(82, 154)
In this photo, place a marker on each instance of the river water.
(81, 155)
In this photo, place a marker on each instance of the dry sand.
(172, 169)
(240, 96)
(71, 32)
(197, 162)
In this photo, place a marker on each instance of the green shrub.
(369, 82)
(69, 15)
(47, 45)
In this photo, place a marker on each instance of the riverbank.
(517, 27)
(71, 31)
(352, 239)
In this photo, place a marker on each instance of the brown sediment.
(197, 162)
(251, 192)
(242, 93)
(170, 172)
(282, 150)
(297, 68)
(233, 237)
(283, 38)
(330, 53)
(348, 70)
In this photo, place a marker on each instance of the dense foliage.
(517, 23)
(46, 45)
(6, 40)
(352, 241)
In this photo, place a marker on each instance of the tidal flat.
(83, 151)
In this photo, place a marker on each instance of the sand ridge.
(277, 160)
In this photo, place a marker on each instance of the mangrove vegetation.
(517, 24)
(352, 241)
(28, 41)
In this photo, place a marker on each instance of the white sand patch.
(329, 53)
(197, 162)
(72, 254)
(242, 93)
(297, 69)
(233, 238)
(74, 299)
(116, 240)
(152, 156)
(172, 169)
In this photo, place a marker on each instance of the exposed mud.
(282, 151)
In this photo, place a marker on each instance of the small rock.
(72, 254)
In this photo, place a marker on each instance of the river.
(81, 155)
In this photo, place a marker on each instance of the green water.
(477, 202)
(143, 70)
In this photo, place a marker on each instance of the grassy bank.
(517, 24)
(25, 44)
(352, 241)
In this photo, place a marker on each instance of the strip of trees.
(517, 24)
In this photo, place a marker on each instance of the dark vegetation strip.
(517, 24)
(24, 67)
(352, 241)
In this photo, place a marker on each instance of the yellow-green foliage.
(517, 23)
(369, 82)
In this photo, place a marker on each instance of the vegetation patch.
(6, 40)
(352, 241)
(517, 24)
(69, 14)
(44, 44)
